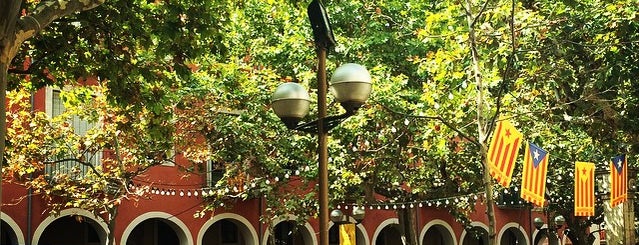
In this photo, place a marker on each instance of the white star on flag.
(536, 154)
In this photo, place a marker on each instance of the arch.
(442, 226)
(381, 226)
(473, 224)
(521, 234)
(181, 230)
(361, 230)
(14, 226)
(245, 227)
(102, 233)
(308, 234)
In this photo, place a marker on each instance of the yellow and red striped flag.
(533, 183)
(503, 151)
(618, 180)
(347, 234)
(584, 189)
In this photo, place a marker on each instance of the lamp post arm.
(329, 122)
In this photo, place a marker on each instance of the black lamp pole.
(323, 36)
(290, 101)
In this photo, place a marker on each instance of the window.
(214, 173)
(55, 107)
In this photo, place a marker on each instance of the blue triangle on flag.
(536, 154)
(618, 162)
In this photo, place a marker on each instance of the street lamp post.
(352, 86)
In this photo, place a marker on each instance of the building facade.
(167, 216)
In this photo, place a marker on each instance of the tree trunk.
(9, 10)
(112, 215)
(407, 226)
(4, 67)
(481, 122)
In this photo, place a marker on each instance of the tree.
(585, 55)
(139, 53)
(439, 68)
(424, 57)
(94, 170)
(384, 150)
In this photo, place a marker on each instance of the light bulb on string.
(181, 193)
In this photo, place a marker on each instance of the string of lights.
(201, 190)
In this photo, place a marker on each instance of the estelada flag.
(584, 189)
(618, 180)
(533, 182)
(503, 151)
(347, 234)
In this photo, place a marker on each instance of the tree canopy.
(198, 77)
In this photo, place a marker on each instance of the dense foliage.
(198, 76)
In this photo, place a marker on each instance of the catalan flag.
(503, 151)
(618, 180)
(533, 183)
(584, 189)
(347, 234)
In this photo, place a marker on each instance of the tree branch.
(49, 11)
(437, 118)
(506, 75)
